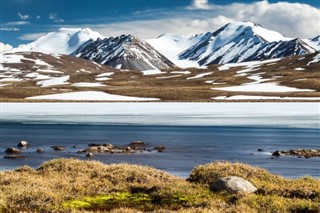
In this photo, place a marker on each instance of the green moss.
(139, 200)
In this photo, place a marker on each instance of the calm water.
(187, 146)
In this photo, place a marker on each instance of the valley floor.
(72, 79)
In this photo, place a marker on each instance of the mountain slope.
(314, 42)
(236, 42)
(43, 76)
(171, 46)
(63, 41)
(125, 52)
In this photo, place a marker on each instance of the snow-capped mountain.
(63, 41)
(4, 47)
(236, 42)
(313, 42)
(123, 52)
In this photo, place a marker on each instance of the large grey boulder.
(233, 184)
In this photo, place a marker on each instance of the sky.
(25, 20)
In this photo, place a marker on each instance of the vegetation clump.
(70, 185)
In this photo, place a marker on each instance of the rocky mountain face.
(123, 52)
(238, 42)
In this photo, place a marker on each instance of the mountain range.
(234, 42)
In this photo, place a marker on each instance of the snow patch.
(90, 96)
(88, 84)
(299, 69)
(54, 81)
(103, 79)
(316, 59)
(200, 75)
(152, 72)
(105, 74)
(263, 87)
(181, 72)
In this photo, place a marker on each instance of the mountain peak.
(62, 41)
(252, 28)
(123, 52)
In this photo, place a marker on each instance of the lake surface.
(231, 132)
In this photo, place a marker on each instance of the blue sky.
(25, 20)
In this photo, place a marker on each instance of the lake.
(193, 133)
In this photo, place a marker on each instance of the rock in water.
(40, 150)
(12, 150)
(89, 155)
(23, 144)
(233, 184)
(58, 148)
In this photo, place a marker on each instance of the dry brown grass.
(134, 83)
(69, 185)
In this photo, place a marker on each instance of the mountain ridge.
(234, 42)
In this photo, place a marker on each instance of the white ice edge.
(295, 115)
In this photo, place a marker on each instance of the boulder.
(58, 148)
(234, 185)
(89, 155)
(276, 153)
(23, 144)
(160, 148)
(40, 150)
(12, 150)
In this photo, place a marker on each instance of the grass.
(70, 185)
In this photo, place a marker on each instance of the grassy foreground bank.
(70, 185)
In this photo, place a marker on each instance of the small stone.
(40, 150)
(160, 148)
(137, 143)
(276, 153)
(89, 155)
(12, 150)
(58, 148)
(23, 144)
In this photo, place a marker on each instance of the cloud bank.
(290, 19)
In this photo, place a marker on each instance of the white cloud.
(55, 18)
(52, 16)
(15, 23)
(290, 19)
(9, 29)
(31, 36)
(200, 4)
(23, 17)
(59, 20)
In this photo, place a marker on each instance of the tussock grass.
(70, 185)
(275, 193)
